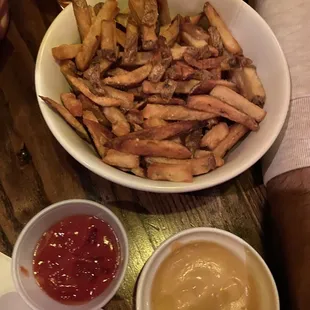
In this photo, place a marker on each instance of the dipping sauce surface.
(204, 275)
(76, 259)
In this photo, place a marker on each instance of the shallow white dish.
(258, 42)
(25, 284)
(236, 245)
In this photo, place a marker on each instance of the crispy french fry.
(236, 132)
(122, 19)
(174, 112)
(134, 116)
(191, 41)
(116, 71)
(121, 37)
(195, 32)
(149, 37)
(171, 32)
(99, 133)
(205, 86)
(170, 172)
(88, 105)
(198, 165)
(192, 140)
(194, 19)
(68, 68)
(136, 127)
(164, 13)
(202, 153)
(108, 40)
(130, 79)
(141, 58)
(180, 71)
(120, 126)
(239, 102)
(72, 104)
(163, 132)
(150, 13)
(214, 136)
(223, 62)
(178, 52)
(159, 100)
(66, 51)
(92, 14)
(138, 93)
(215, 20)
(71, 120)
(92, 39)
(131, 43)
(104, 65)
(126, 97)
(139, 172)
(98, 7)
(120, 159)
(213, 105)
(137, 10)
(154, 122)
(82, 16)
(166, 89)
(215, 39)
(80, 84)
(185, 87)
(164, 148)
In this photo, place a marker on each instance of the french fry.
(223, 62)
(98, 7)
(185, 87)
(198, 165)
(154, 122)
(191, 41)
(99, 134)
(73, 105)
(82, 16)
(92, 39)
(68, 68)
(139, 172)
(90, 106)
(120, 126)
(164, 148)
(130, 79)
(120, 159)
(104, 65)
(137, 10)
(215, 20)
(108, 40)
(192, 140)
(121, 37)
(166, 89)
(134, 116)
(171, 32)
(141, 58)
(213, 105)
(126, 97)
(170, 172)
(71, 120)
(122, 19)
(178, 52)
(92, 14)
(80, 84)
(215, 39)
(164, 13)
(180, 71)
(159, 100)
(239, 102)
(205, 86)
(174, 112)
(149, 37)
(162, 132)
(66, 51)
(202, 153)
(138, 93)
(136, 127)
(117, 71)
(195, 32)
(214, 136)
(236, 132)
(131, 43)
(194, 19)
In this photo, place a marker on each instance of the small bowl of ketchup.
(71, 255)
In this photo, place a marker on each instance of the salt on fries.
(160, 98)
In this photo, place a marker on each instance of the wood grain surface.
(35, 170)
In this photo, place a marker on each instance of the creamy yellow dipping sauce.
(204, 276)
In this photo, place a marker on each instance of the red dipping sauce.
(76, 259)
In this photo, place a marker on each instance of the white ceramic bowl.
(258, 43)
(22, 256)
(236, 245)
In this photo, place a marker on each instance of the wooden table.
(36, 171)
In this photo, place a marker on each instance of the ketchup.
(76, 259)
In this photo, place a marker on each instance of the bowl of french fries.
(163, 96)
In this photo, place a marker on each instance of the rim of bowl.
(138, 183)
(54, 206)
(166, 243)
